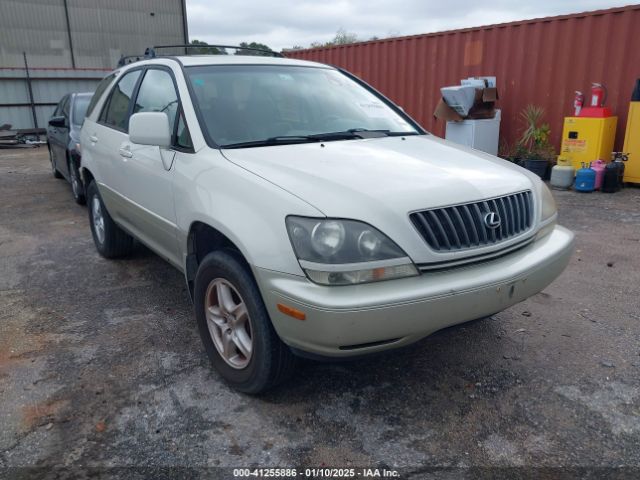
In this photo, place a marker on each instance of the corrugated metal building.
(86, 33)
(541, 61)
(48, 85)
(70, 44)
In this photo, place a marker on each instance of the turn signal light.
(292, 312)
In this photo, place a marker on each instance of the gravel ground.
(101, 365)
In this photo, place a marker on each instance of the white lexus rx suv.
(309, 214)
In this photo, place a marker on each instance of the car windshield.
(254, 105)
(80, 105)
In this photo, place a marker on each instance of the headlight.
(327, 238)
(549, 208)
(346, 252)
(549, 213)
(369, 243)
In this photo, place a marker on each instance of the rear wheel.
(54, 169)
(77, 188)
(110, 240)
(235, 327)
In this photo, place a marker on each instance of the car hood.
(353, 178)
(380, 181)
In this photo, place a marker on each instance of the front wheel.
(235, 327)
(110, 240)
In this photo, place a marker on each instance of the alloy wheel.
(229, 323)
(75, 184)
(98, 219)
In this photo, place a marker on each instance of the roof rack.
(127, 59)
(151, 52)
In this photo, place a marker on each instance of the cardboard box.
(483, 105)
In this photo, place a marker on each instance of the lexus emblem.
(492, 220)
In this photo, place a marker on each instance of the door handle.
(93, 138)
(126, 153)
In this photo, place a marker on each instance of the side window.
(115, 113)
(183, 139)
(158, 94)
(58, 111)
(102, 86)
(65, 107)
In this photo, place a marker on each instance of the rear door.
(148, 170)
(107, 136)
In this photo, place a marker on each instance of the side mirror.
(150, 128)
(59, 121)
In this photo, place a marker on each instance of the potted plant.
(534, 144)
(513, 152)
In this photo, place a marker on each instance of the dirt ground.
(101, 364)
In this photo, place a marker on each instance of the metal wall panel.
(36, 27)
(48, 86)
(18, 117)
(13, 90)
(100, 30)
(541, 61)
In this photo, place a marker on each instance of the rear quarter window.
(115, 112)
(100, 89)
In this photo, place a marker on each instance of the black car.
(63, 140)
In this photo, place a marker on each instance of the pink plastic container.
(598, 166)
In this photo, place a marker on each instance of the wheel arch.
(202, 240)
(69, 158)
(86, 176)
(72, 157)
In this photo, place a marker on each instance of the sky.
(285, 23)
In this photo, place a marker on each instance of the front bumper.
(353, 320)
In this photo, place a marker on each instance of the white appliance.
(479, 82)
(482, 135)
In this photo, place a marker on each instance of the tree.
(205, 49)
(256, 45)
(342, 37)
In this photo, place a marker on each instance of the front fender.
(249, 210)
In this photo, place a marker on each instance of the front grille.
(460, 227)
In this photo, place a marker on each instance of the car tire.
(270, 361)
(110, 240)
(77, 188)
(54, 169)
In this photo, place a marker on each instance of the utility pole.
(33, 105)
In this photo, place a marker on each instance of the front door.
(148, 182)
(58, 137)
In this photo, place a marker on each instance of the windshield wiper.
(361, 133)
(279, 140)
(291, 139)
(318, 137)
(403, 134)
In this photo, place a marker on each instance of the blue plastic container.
(585, 179)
